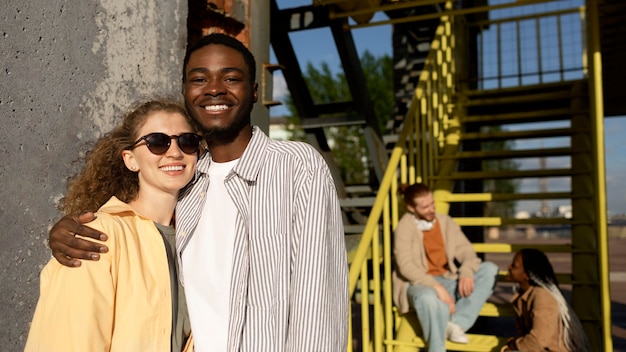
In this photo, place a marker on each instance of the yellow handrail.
(432, 130)
(597, 113)
(428, 121)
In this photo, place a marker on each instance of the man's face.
(218, 91)
(424, 207)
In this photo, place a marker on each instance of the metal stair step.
(390, 139)
(359, 189)
(520, 90)
(519, 98)
(495, 221)
(408, 337)
(525, 134)
(353, 229)
(490, 175)
(521, 117)
(495, 197)
(357, 202)
(509, 154)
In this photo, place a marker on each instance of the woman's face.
(516, 270)
(167, 172)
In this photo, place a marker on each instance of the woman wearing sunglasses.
(132, 301)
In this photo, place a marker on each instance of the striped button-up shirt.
(289, 286)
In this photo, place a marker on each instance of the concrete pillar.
(259, 24)
(68, 70)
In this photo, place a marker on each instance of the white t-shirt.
(207, 264)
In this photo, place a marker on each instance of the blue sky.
(316, 46)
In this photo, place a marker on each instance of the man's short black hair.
(222, 39)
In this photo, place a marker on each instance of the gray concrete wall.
(68, 68)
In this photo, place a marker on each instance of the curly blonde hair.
(105, 174)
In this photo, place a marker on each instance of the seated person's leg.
(454, 332)
(468, 308)
(432, 314)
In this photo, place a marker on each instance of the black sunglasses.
(159, 143)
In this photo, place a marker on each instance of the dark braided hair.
(538, 267)
(540, 273)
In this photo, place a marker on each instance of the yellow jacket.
(120, 303)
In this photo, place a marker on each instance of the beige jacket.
(538, 322)
(411, 262)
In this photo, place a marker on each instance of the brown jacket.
(411, 262)
(538, 322)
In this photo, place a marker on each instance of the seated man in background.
(437, 271)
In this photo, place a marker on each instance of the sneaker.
(454, 333)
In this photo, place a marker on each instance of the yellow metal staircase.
(445, 128)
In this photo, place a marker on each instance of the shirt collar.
(116, 206)
(523, 296)
(251, 161)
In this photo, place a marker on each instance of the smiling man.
(259, 229)
(437, 272)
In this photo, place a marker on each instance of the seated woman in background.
(545, 322)
(130, 299)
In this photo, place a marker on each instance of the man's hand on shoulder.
(67, 248)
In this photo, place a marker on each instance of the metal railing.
(531, 49)
(425, 133)
(432, 129)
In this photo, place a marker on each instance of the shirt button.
(202, 194)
